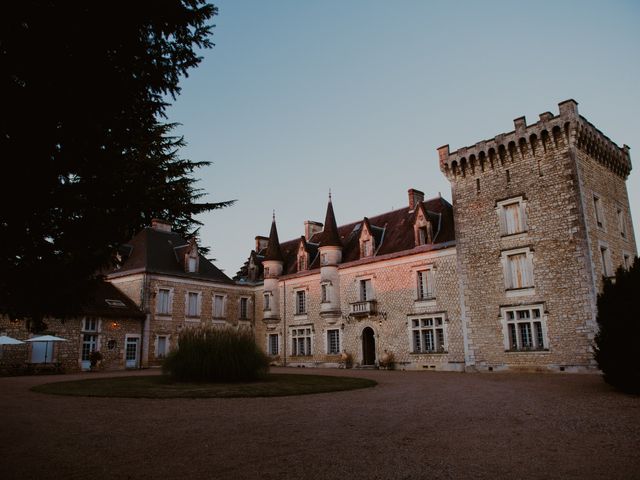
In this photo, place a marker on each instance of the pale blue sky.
(301, 96)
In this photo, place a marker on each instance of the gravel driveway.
(412, 425)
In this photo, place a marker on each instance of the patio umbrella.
(46, 339)
(4, 340)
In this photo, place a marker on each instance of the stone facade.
(174, 294)
(540, 215)
(551, 170)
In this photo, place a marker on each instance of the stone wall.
(395, 292)
(111, 333)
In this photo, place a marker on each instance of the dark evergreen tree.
(616, 349)
(87, 156)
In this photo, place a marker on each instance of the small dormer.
(303, 256)
(423, 230)
(191, 257)
(367, 240)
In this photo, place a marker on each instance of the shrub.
(619, 321)
(211, 354)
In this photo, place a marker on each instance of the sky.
(354, 96)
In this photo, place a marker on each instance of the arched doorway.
(368, 347)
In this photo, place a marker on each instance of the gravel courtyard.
(412, 425)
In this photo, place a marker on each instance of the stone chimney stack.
(311, 228)
(415, 197)
(160, 225)
(261, 243)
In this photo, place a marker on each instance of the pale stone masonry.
(567, 181)
(540, 214)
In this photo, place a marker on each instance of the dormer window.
(192, 264)
(366, 248)
(422, 227)
(302, 262)
(422, 235)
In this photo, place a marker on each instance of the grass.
(274, 385)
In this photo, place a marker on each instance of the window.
(324, 290)
(301, 302)
(512, 216)
(366, 290)
(163, 303)
(161, 350)
(267, 301)
(428, 334)
(333, 341)
(266, 271)
(244, 307)
(422, 236)
(626, 261)
(518, 269)
(605, 258)
(89, 344)
(597, 208)
(622, 224)
(90, 325)
(218, 306)
(192, 264)
(366, 248)
(272, 344)
(425, 284)
(301, 341)
(302, 263)
(525, 328)
(193, 304)
(324, 259)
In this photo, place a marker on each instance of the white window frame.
(364, 294)
(598, 211)
(519, 338)
(622, 221)
(214, 311)
(169, 309)
(328, 341)
(325, 292)
(528, 280)
(270, 350)
(423, 333)
(425, 283)
(91, 325)
(301, 340)
(627, 259)
(188, 313)
(267, 298)
(90, 339)
(192, 264)
(605, 259)
(245, 301)
(502, 209)
(300, 299)
(157, 346)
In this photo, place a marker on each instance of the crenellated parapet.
(550, 132)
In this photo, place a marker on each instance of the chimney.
(415, 197)
(311, 228)
(261, 243)
(160, 225)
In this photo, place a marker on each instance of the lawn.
(275, 385)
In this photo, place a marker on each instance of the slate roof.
(273, 247)
(393, 232)
(105, 300)
(158, 251)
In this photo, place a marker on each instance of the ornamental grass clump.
(209, 354)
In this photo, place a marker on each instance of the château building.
(506, 277)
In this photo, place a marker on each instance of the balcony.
(363, 308)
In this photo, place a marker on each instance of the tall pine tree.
(87, 156)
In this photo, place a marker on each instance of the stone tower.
(541, 214)
(273, 264)
(330, 248)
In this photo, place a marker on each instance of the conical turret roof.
(273, 247)
(330, 236)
